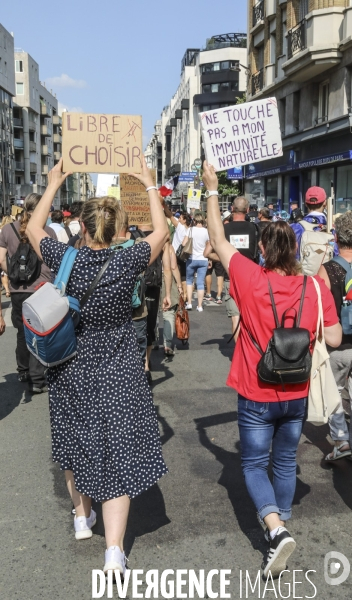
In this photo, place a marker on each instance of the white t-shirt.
(179, 235)
(200, 237)
(60, 232)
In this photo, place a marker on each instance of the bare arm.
(333, 335)
(170, 216)
(167, 276)
(323, 274)
(175, 270)
(3, 264)
(160, 234)
(2, 322)
(209, 252)
(35, 228)
(222, 247)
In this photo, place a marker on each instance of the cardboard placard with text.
(134, 199)
(242, 134)
(193, 199)
(98, 143)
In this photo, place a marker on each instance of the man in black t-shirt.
(245, 237)
(252, 215)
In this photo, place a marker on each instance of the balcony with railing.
(258, 14)
(296, 39)
(46, 150)
(313, 44)
(57, 138)
(57, 155)
(19, 166)
(32, 147)
(45, 110)
(18, 122)
(57, 120)
(33, 167)
(45, 169)
(32, 126)
(46, 130)
(257, 82)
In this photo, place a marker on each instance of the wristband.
(151, 187)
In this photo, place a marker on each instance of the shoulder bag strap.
(92, 287)
(15, 230)
(65, 269)
(302, 300)
(273, 304)
(319, 333)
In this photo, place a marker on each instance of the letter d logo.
(334, 567)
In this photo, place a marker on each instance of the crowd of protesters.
(101, 400)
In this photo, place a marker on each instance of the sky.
(117, 56)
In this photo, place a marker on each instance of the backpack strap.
(92, 287)
(342, 262)
(128, 244)
(65, 269)
(68, 231)
(15, 230)
(302, 300)
(273, 304)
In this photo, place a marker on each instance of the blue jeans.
(199, 266)
(279, 425)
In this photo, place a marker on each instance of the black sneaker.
(281, 548)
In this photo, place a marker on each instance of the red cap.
(66, 213)
(315, 195)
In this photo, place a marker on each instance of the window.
(0, 65)
(216, 66)
(18, 180)
(225, 65)
(344, 189)
(19, 66)
(296, 109)
(326, 176)
(272, 48)
(282, 115)
(19, 89)
(303, 9)
(323, 113)
(214, 87)
(33, 93)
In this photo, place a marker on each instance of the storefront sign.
(101, 143)
(242, 134)
(252, 172)
(235, 173)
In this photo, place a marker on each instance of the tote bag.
(187, 249)
(324, 398)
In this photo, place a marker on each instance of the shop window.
(344, 189)
(271, 190)
(323, 110)
(326, 176)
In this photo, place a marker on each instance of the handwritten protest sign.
(134, 199)
(242, 134)
(193, 199)
(101, 143)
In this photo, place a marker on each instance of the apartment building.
(7, 91)
(211, 77)
(154, 154)
(300, 51)
(37, 128)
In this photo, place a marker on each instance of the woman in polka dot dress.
(103, 422)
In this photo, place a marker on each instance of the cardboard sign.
(101, 143)
(242, 134)
(134, 199)
(193, 199)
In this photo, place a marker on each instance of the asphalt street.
(199, 517)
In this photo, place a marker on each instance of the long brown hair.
(103, 218)
(30, 203)
(279, 242)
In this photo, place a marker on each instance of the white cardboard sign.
(193, 200)
(242, 134)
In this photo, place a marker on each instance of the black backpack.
(24, 265)
(153, 275)
(287, 358)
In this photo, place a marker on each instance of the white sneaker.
(83, 526)
(188, 306)
(115, 560)
(200, 308)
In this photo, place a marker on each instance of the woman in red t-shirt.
(268, 416)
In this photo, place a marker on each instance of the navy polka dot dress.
(103, 421)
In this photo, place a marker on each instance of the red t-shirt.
(249, 288)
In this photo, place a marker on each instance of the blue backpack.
(50, 316)
(138, 293)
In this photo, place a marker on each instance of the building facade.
(7, 91)
(210, 78)
(300, 52)
(37, 128)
